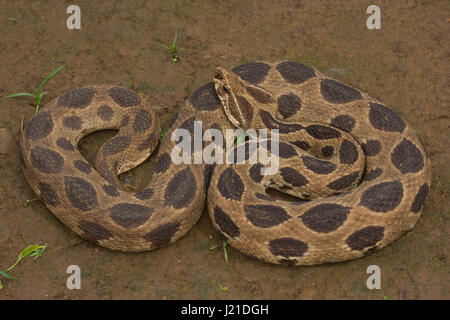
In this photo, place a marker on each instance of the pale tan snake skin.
(362, 171)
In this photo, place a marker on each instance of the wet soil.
(404, 64)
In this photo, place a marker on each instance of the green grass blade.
(225, 253)
(48, 77)
(7, 276)
(20, 94)
(174, 44)
(29, 251)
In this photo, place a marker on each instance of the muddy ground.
(404, 64)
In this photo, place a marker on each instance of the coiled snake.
(362, 172)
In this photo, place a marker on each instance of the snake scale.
(360, 174)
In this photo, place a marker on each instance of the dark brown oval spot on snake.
(383, 118)
(364, 238)
(255, 172)
(371, 148)
(327, 151)
(105, 112)
(294, 72)
(205, 98)
(125, 120)
(322, 132)
(289, 104)
(110, 190)
(318, 166)
(181, 189)
(336, 92)
(285, 150)
(46, 160)
(162, 234)
(259, 95)
(80, 193)
(383, 197)
(65, 144)
(325, 217)
(373, 174)
(265, 216)
(343, 122)
(420, 198)
(226, 225)
(288, 247)
(39, 126)
(130, 215)
(246, 108)
(293, 177)
(344, 182)
(83, 166)
(304, 145)
(144, 194)
(406, 157)
(79, 98)
(116, 145)
(163, 163)
(271, 123)
(230, 185)
(124, 97)
(348, 154)
(142, 121)
(72, 122)
(47, 194)
(93, 231)
(253, 72)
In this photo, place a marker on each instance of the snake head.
(229, 88)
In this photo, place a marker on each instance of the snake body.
(362, 172)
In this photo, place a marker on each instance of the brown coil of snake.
(362, 172)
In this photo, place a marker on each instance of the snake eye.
(225, 89)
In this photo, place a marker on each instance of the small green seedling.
(38, 94)
(224, 245)
(28, 201)
(223, 288)
(33, 250)
(12, 19)
(173, 48)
